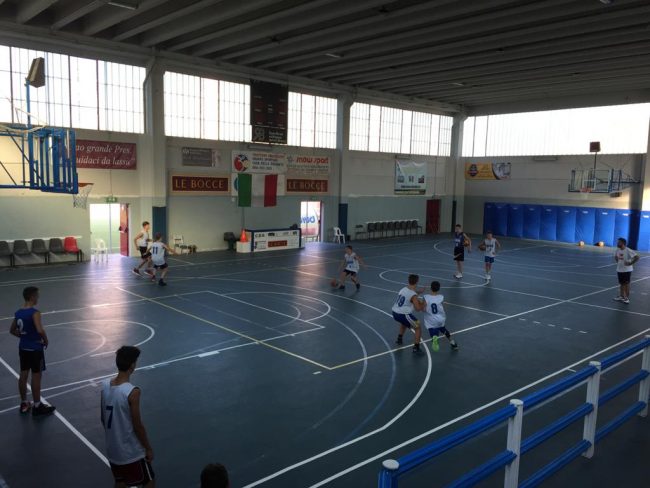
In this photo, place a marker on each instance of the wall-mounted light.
(123, 4)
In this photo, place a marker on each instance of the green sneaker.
(434, 344)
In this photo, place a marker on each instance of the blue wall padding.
(605, 225)
(515, 220)
(585, 225)
(625, 227)
(548, 223)
(500, 222)
(644, 232)
(488, 216)
(566, 224)
(532, 221)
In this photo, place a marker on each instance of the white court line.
(65, 422)
(442, 426)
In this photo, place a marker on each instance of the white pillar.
(593, 391)
(645, 179)
(457, 168)
(344, 102)
(644, 386)
(514, 444)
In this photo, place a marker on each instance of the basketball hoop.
(80, 200)
(585, 190)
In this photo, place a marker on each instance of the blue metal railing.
(393, 470)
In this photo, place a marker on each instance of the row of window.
(91, 94)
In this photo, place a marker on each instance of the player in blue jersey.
(461, 241)
(28, 327)
(407, 302)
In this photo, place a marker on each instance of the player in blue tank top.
(28, 328)
(461, 241)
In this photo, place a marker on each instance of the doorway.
(104, 225)
(433, 217)
(310, 221)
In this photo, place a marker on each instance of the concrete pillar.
(457, 169)
(645, 178)
(344, 102)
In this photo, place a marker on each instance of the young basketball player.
(461, 241)
(435, 317)
(141, 242)
(489, 247)
(625, 259)
(127, 445)
(158, 260)
(407, 302)
(350, 267)
(28, 327)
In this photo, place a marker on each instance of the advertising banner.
(200, 156)
(258, 162)
(308, 165)
(487, 171)
(295, 185)
(106, 155)
(199, 185)
(410, 177)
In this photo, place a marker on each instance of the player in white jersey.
(489, 246)
(407, 302)
(158, 260)
(350, 267)
(435, 317)
(625, 259)
(127, 444)
(141, 242)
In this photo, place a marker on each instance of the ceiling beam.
(28, 9)
(164, 15)
(74, 11)
(228, 11)
(112, 15)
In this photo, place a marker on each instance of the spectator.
(214, 475)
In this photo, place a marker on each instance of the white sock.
(37, 404)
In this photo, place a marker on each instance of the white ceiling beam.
(159, 17)
(112, 15)
(75, 11)
(231, 10)
(270, 25)
(28, 9)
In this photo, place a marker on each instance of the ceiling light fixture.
(334, 55)
(458, 83)
(605, 2)
(123, 4)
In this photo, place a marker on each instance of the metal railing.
(393, 470)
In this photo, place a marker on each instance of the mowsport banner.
(410, 177)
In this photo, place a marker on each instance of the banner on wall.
(200, 156)
(258, 162)
(297, 185)
(106, 155)
(308, 165)
(487, 171)
(410, 177)
(199, 185)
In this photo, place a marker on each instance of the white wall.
(546, 182)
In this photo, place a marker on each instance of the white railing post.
(593, 391)
(514, 444)
(644, 386)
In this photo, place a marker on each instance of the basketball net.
(80, 200)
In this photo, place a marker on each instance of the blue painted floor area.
(256, 362)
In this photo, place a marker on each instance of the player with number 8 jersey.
(435, 317)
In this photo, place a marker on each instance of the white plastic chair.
(179, 243)
(339, 236)
(100, 251)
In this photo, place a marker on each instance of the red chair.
(70, 246)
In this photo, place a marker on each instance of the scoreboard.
(275, 239)
(269, 112)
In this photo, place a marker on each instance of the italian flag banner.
(259, 190)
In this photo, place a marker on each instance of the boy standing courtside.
(407, 302)
(625, 259)
(350, 267)
(142, 241)
(435, 317)
(157, 250)
(461, 240)
(489, 246)
(127, 444)
(28, 327)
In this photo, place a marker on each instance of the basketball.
(334, 282)
(600, 244)
(581, 243)
(481, 246)
(466, 243)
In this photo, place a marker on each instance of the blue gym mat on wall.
(568, 224)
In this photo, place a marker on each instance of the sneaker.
(487, 276)
(416, 348)
(25, 407)
(43, 409)
(626, 301)
(618, 299)
(454, 346)
(136, 271)
(458, 275)
(161, 282)
(399, 340)
(358, 286)
(342, 287)
(153, 277)
(148, 272)
(434, 344)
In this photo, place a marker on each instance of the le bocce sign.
(199, 184)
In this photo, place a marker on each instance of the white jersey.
(144, 240)
(624, 255)
(157, 253)
(403, 304)
(434, 312)
(351, 262)
(490, 247)
(122, 445)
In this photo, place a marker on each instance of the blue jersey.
(30, 339)
(458, 239)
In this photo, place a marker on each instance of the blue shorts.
(489, 259)
(407, 320)
(438, 331)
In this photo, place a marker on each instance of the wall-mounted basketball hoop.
(80, 200)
